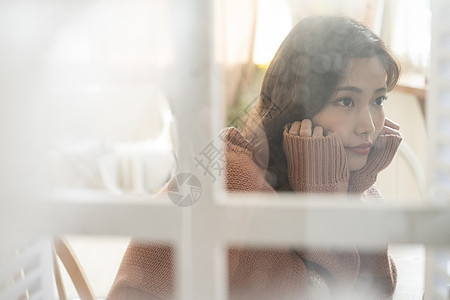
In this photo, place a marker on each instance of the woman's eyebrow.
(379, 90)
(358, 90)
(349, 88)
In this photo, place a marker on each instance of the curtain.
(234, 36)
(406, 30)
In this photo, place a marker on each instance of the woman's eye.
(380, 101)
(347, 102)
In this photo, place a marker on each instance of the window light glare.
(273, 23)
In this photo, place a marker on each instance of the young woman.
(319, 127)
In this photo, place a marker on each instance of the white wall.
(399, 182)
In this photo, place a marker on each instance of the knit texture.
(147, 269)
(266, 274)
(146, 272)
(243, 174)
(306, 158)
(379, 158)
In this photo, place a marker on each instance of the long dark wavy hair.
(302, 77)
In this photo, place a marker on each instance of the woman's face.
(355, 111)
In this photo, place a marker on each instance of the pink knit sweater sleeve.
(316, 164)
(147, 271)
(319, 164)
(243, 174)
(380, 156)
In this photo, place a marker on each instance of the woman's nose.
(365, 124)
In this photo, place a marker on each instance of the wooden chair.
(65, 253)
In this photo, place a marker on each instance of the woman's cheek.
(379, 123)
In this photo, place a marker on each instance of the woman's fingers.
(295, 128)
(392, 124)
(318, 131)
(306, 128)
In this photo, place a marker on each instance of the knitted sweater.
(147, 270)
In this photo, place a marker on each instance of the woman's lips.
(362, 149)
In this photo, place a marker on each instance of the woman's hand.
(305, 129)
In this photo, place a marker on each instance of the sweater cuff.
(378, 271)
(316, 164)
(379, 158)
(342, 265)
